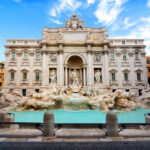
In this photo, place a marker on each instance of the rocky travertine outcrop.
(144, 100)
(66, 99)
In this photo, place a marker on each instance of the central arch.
(75, 55)
(75, 62)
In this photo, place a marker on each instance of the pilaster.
(60, 69)
(106, 69)
(45, 69)
(90, 72)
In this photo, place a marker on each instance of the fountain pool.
(88, 116)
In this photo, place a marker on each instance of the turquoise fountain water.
(89, 116)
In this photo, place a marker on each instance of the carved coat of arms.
(74, 23)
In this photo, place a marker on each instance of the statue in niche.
(53, 77)
(98, 76)
(53, 57)
(96, 57)
(74, 77)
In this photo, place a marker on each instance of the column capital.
(44, 51)
(65, 66)
(105, 52)
(60, 51)
(89, 51)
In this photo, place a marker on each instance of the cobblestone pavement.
(72, 135)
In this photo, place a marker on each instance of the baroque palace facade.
(75, 55)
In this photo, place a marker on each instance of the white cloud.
(108, 11)
(90, 2)
(148, 3)
(52, 12)
(17, 1)
(141, 31)
(127, 24)
(64, 5)
(55, 21)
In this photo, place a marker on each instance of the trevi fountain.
(75, 97)
(75, 68)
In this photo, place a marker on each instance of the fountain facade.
(74, 60)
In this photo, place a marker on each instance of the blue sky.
(25, 19)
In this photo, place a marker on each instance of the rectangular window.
(24, 92)
(12, 75)
(148, 69)
(124, 56)
(14, 42)
(37, 90)
(13, 55)
(112, 58)
(111, 42)
(138, 76)
(38, 56)
(123, 42)
(140, 92)
(136, 55)
(24, 75)
(113, 90)
(113, 77)
(126, 76)
(25, 42)
(25, 55)
(37, 76)
(127, 90)
(0, 84)
(148, 61)
(135, 42)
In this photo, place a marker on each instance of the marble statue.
(98, 76)
(53, 77)
(53, 57)
(74, 76)
(68, 24)
(74, 23)
(54, 98)
(80, 24)
(96, 57)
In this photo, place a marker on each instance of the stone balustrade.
(126, 41)
(37, 82)
(114, 82)
(25, 82)
(23, 42)
(126, 83)
(12, 82)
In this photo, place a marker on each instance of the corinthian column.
(90, 74)
(106, 72)
(66, 76)
(84, 77)
(45, 69)
(60, 70)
